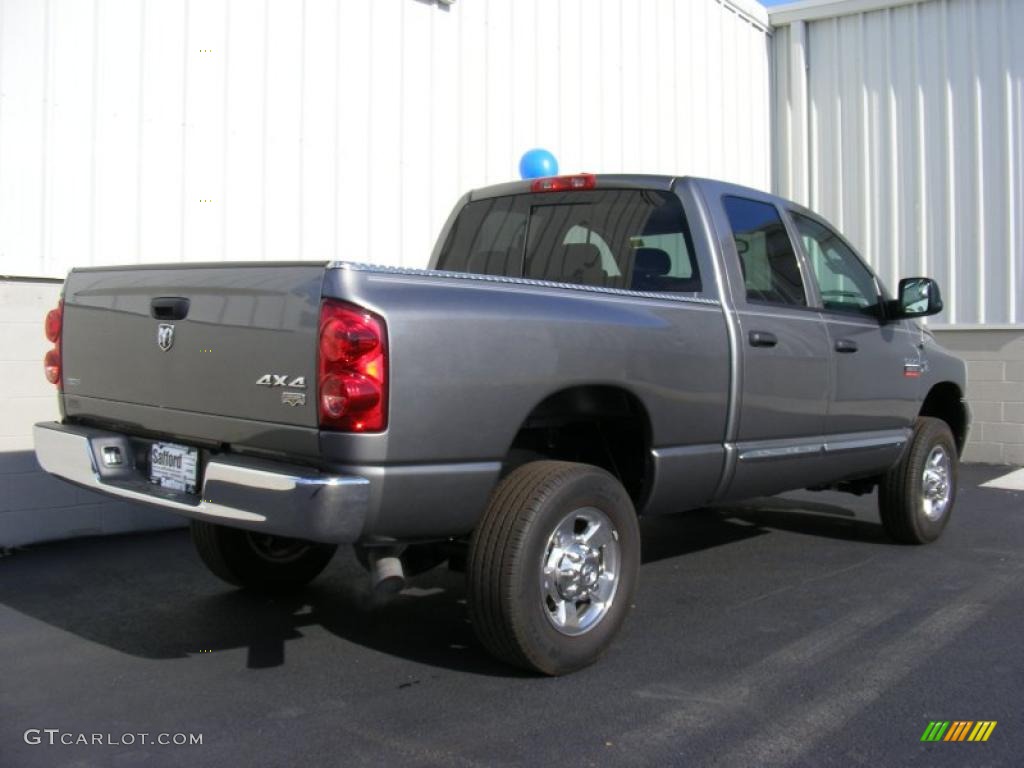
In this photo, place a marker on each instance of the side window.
(846, 285)
(771, 272)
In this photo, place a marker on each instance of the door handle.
(846, 346)
(762, 339)
(169, 308)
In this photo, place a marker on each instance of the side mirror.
(918, 297)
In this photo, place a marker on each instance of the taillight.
(54, 320)
(352, 369)
(564, 183)
(53, 327)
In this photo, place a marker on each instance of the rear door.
(876, 364)
(784, 350)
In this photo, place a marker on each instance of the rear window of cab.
(632, 239)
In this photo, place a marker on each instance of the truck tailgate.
(237, 341)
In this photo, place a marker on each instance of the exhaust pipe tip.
(387, 576)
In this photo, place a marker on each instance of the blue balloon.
(537, 163)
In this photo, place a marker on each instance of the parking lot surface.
(783, 631)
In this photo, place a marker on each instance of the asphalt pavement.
(784, 631)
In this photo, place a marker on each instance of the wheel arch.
(602, 424)
(945, 401)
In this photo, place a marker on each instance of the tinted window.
(771, 271)
(487, 239)
(636, 239)
(846, 285)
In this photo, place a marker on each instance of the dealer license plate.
(175, 467)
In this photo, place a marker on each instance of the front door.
(876, 363)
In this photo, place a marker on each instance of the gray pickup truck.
(583, 349)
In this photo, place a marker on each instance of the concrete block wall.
(33, 505)
(995, 390)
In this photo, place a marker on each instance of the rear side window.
(633, 239)
(771, 272)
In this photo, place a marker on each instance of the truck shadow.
(812, 518)
(148, 595)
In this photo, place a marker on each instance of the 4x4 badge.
(281, 380)
(165, 336)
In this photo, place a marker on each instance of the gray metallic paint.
(243, 435)
(253, 319)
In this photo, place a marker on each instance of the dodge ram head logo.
(165, 336)
(293, 398)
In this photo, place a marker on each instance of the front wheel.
(258, 560)
(916, 497)
(553, 566)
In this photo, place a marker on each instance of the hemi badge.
(293, 398)
(913, 370)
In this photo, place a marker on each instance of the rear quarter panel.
(470, 358)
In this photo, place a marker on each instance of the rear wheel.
(916, 497)
(553, 566)
(258, 560)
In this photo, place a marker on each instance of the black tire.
(504, 574)
(258, 561)
(902, 502)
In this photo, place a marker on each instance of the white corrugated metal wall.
(903, 122)
(168, 130)
(905, 126)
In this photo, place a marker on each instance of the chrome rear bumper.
(255, 494)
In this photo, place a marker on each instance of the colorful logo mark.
(958, 730)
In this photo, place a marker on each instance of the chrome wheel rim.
(277, 549)
(936, 483)
(580, 571)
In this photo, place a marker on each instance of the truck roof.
(611, 180)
